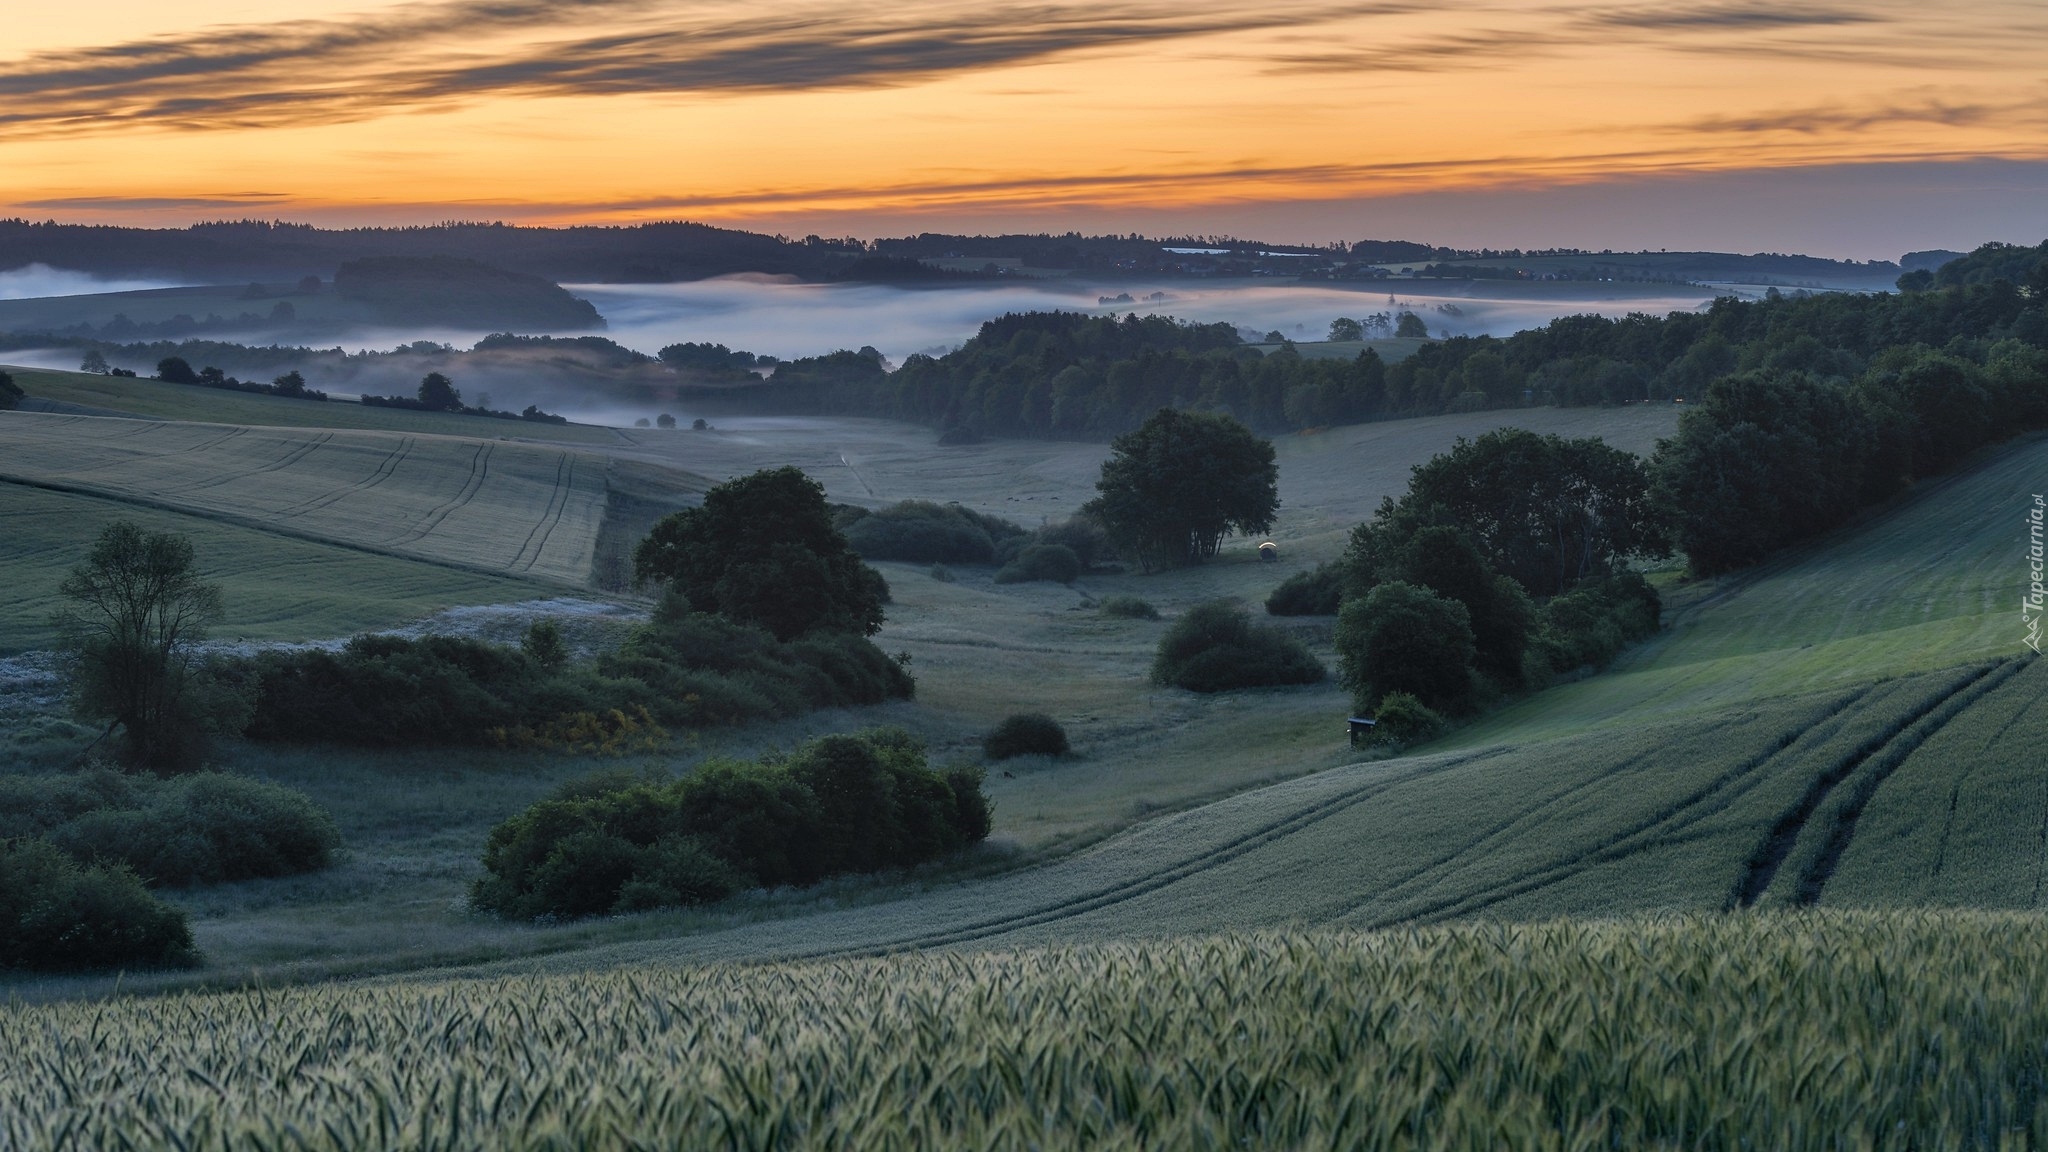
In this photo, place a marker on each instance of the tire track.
(558, 501)
(1743, 777)
(297, 452)
(1955, 792)
(479, 471)
(1893, 754)
(378, 475)
(1132, 888)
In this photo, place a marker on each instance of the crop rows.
(495, 506)
(1818, 1031)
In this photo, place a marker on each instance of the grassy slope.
(1814, 1032)
(519, 509)
(160, 401)
(276, 588)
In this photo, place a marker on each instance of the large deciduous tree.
(1174, 488)
(762, 549)
(139, 607)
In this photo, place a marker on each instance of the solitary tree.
(290, 384)
(664, 421)
(176, 370)
(94, 362)
(438, 393)
(1408, 324)
(762, 549)
(139, 606)
(1173, 489)
(1344, 328)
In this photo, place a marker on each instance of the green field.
(276, 587)
(1787, 1031)
(513, 508)
(160, 401)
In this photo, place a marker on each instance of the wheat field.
(1814, 1031)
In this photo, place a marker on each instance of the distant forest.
(231, 251)
(1065, 375)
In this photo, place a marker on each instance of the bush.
(1401, 638)
(1129, 608)
(840, 804)
(1590, 625)
(1054, 562)
(1316, 592)
(208, 828)
(1215, 647)
(57, 915)
(922, 532)
(1404, 720)
(1025, 734)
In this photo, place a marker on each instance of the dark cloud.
(1465, 50)
(441, 55)
(1840, 118)
(144, 203)
(1730, 17)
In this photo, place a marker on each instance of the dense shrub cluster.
(1054, 562)
(684, 669)
(204, 828)
(1215, 647)
(840, 804)
(1128, 608)
(922, 532)
(1025, 734)
(1319, 591)
(57, 915)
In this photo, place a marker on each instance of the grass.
(276, 588)
(157, 400)
(517, 509)
(1789, 1031)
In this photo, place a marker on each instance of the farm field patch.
(1817, 1029)
(519, 509)
(160, 401)
(275, 587)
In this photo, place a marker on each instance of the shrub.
(1404, 720)
(1089, 542)
(1401, 638)
(1054, 562)
(1025, 734)
(921, 532)
(1129, 608)
(1590, 625)
(207, 828)
(1316, 592)
(57, 915)
(1215, 647)
(839, 804)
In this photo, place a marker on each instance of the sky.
(1847, 129)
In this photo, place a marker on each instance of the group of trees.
(437, 393)
(178, 370)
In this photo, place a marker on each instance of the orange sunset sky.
(1874, 125)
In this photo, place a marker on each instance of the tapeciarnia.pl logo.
(2031, 607)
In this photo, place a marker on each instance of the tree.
(290, 384)
(1343, 328)
(664, 421)
(10, 393)
(762, 549)
(176, 370)
(139, 609)
(544, 645)
(1172, 490)
(1545, 511)
(1402, 638)
(1410, 325)
(94, 362)
(438, 393)
(1443, 559)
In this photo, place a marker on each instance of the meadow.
(1815, 1030)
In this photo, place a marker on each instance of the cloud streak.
(447, 54)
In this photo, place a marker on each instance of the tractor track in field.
(1885, 761)
(1955, 794)
(1667, 826)
(378, 475)
(294, 453)
(558, 502)
(1770, 854)
(1118, 892)
(479, 471)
